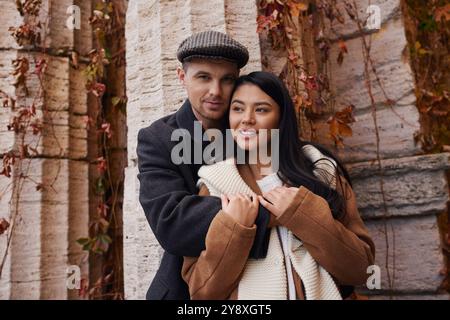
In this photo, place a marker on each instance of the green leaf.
(106, 239)
(83, 241)
(115, 101)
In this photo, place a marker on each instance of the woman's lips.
(247, 133)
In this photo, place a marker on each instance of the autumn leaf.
(292, 57)
(3, 225)
(346, 114)
(101, 165)
(342, 50)
(442, 13)
(338, 125)
(295, 8)
(115, 101)
(106, 128)
(98, 89)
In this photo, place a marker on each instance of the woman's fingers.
(266, 204)
(255, 199)
(271, 196)
(224, 201)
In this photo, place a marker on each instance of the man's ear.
(181, 75)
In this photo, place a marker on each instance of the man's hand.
(241, 208)
(278, 200)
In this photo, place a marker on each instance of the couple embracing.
(242, 227)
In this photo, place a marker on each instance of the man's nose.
(215, 89)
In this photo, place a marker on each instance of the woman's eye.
(237, 109)
(261, 110)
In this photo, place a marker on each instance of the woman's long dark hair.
(294, 167)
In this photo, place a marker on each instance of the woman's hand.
(241, 208)
(278, 199)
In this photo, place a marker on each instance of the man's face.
(209, 84)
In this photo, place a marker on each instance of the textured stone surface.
(10, 18)
(396, 135)
(39, 254)
(397, 124)
(395, 74)
(388, 9)
(51, 220)
(6, 137)
(415, 244)
(412, 186)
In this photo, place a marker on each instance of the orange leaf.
(342, 46)
(442, 12)
(334, 127)
(295, 8)
(345, 130)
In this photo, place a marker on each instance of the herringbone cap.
(212, 45)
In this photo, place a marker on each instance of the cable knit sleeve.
(343, 247)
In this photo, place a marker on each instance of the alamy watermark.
(73, 281)
(223, 147)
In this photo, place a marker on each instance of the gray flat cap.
(212, 45)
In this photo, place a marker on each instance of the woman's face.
(251, 111)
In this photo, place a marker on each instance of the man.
(178, 216)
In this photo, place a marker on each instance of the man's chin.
(214, 115)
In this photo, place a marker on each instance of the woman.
(318, 242)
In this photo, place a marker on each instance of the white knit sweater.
(266, 278)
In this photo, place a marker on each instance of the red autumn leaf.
(342, 50)
(442, 13)
(102, 210)
(292, 57)
(342, 46)
(84, 286)
(98, 89)
(4, 224)
(101, 165)
(40, 66)
(106, 128)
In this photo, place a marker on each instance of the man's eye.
(203, 77)
(229, 80)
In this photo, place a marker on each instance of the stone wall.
(44, 241)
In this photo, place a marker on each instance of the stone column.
(154, 30)
(43, 242)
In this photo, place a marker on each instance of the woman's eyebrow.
(237, 101)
